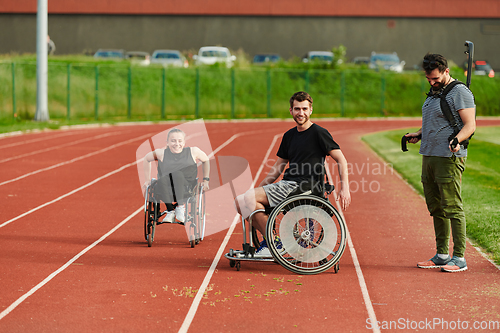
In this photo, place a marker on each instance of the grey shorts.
(277, 192)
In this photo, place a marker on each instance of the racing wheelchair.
(195, 213)
(304, 233)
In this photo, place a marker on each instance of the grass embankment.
(481, 180)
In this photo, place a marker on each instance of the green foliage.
(339, 54)
(481, 179)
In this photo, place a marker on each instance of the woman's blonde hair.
(175, 130)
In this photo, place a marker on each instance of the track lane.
(29, 158)
(107, 288)
(75, 159)
(105, 190)
(278, 298)
(27, 189)
(15, 142)
(394, 224)
(36, 148)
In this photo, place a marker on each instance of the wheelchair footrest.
(239, 255)
(247, 249)
(166, 222)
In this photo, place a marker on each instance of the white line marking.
(62, 268)
(199, 295)
(231, 139)
(14, 144)
(73, 160)
(228, 141)
(357, 266)
(478, 249)
(95, 181)
(100, 136)
(69, 193)
(362, 283)
(66, 265)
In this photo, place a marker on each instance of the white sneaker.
(170, 217)
(180, 213)
(263, 252)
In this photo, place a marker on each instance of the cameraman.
(443, 163)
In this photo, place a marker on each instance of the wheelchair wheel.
(191, 217)
(146, 213)
(308, 232)
(200, 214)
(146, 222)
(196, 208)
(150, 219)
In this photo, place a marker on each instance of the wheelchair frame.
(195, 214)
(309, 235)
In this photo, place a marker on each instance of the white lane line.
(66, 265)
(362, 283)
(199, 295)
(62, 268)
(34, 152)
(231, 139)
(228, 141)
(39, 139)
(73, 160)
(70, 193)
(357, 266)
(95, 181)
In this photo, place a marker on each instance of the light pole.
(42, 111)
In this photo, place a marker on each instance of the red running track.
(73, 256)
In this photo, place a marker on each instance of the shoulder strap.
(445, 107)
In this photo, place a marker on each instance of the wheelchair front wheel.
(308, 233)
(150, 218)
(200, 214)
(196, 209)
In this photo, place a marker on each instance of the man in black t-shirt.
(303, 148)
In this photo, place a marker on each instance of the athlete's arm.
(344, 194)
(275, 172)
(151, 156)
(199, 155)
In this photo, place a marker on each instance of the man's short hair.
(432, 61)
(301, 96)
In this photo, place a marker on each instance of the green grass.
(481, 180)
(113, 91)
(136, 93)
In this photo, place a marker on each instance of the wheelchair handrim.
(312, 264)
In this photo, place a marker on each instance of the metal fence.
(119, 91)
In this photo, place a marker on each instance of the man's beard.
(438, 87)
(302, 121)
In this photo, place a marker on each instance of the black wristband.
(206, 178)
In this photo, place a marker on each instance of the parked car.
(481, 67)
(318, 56)
(167, 58)
(263, 59)
(209, 55)
(361, 60)
(110, 54)
(387, 61)
(138, 57)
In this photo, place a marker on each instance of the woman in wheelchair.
(177, 173)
